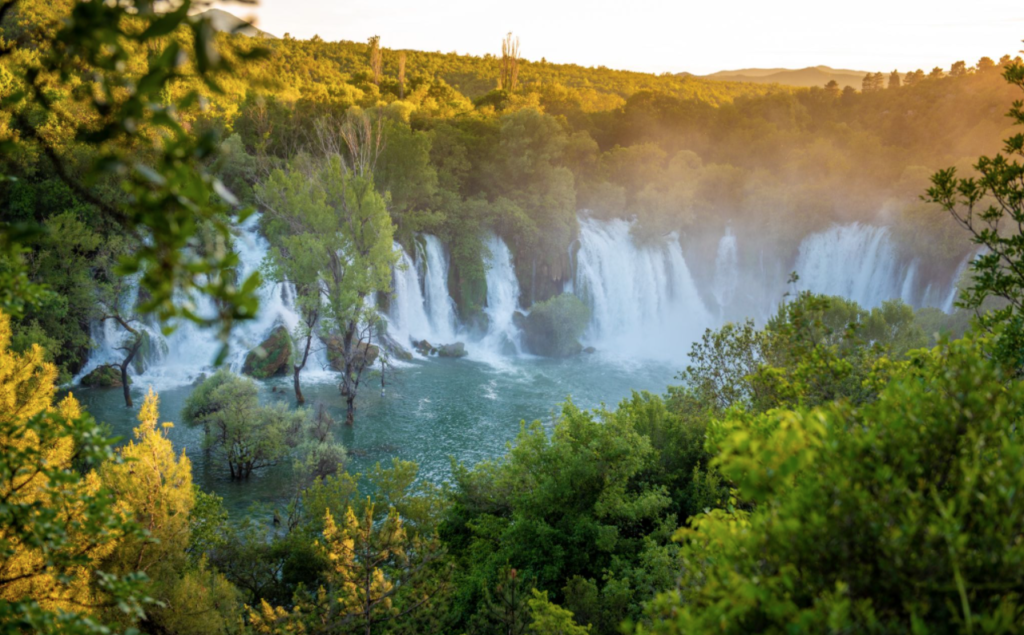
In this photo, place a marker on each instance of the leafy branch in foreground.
(130, 129)
(991, 207)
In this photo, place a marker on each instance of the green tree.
(331, 206)
(895, 516)
(991, 207)
(241, 432)
(56, 523)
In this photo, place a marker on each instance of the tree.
(244, 434)
(936, 73)
(508, 70)
(376, 59)
(331, 205)
(378, 573)
(56, 523)
(154, 488)
(986, 64)
(832, 88)
(905, 507)
(914, 77)
(991, 207)
(877, 82)
(401, 75)
(118, 305)
(550, 619)
(294, 260)
(894, 79)
(958, 69)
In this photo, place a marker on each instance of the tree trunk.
(299, 399)
(124, 384)
(124, 370)
(350, 408)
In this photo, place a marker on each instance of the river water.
(433, 411)
(647, 308)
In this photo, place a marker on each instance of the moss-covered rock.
(458, 349)
(270, 359)
(366, 354)
(553, 327)
(106, 376)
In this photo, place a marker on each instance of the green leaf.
(166, 23)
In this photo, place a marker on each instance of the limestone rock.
(270, 359)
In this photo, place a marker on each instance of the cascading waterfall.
(440, 306)
(727, 275)
(858, 262)
(421, 308)
(502, 336)
(643, 300)
(408, 314)
(190, 350)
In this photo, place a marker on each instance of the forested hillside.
(462, 154)
(828, 467)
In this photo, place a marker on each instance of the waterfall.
(421, 308)
(440, 306)
(727, 275)
(949, 302)
(191, 350)
(643, 300)
(858, 262)
(408, 314)
(502, 299)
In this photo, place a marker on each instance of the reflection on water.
(432, 411)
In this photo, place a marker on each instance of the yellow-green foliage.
(46, 540)
(154, 485)
(901, 515)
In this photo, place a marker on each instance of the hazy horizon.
(700, 39)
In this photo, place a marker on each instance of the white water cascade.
(502, 336)
(190, 351)
(643, 300)
(727, 274)
(440, 306)
(858, 262)
(408, 319)
(421, 308)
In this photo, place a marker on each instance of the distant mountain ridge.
(803, 78)
(230, 23)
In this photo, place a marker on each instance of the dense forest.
(830, 468)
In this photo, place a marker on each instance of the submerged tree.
(329, 206)
(117, 305)
(244, 434)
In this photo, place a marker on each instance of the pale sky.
(645, 35)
